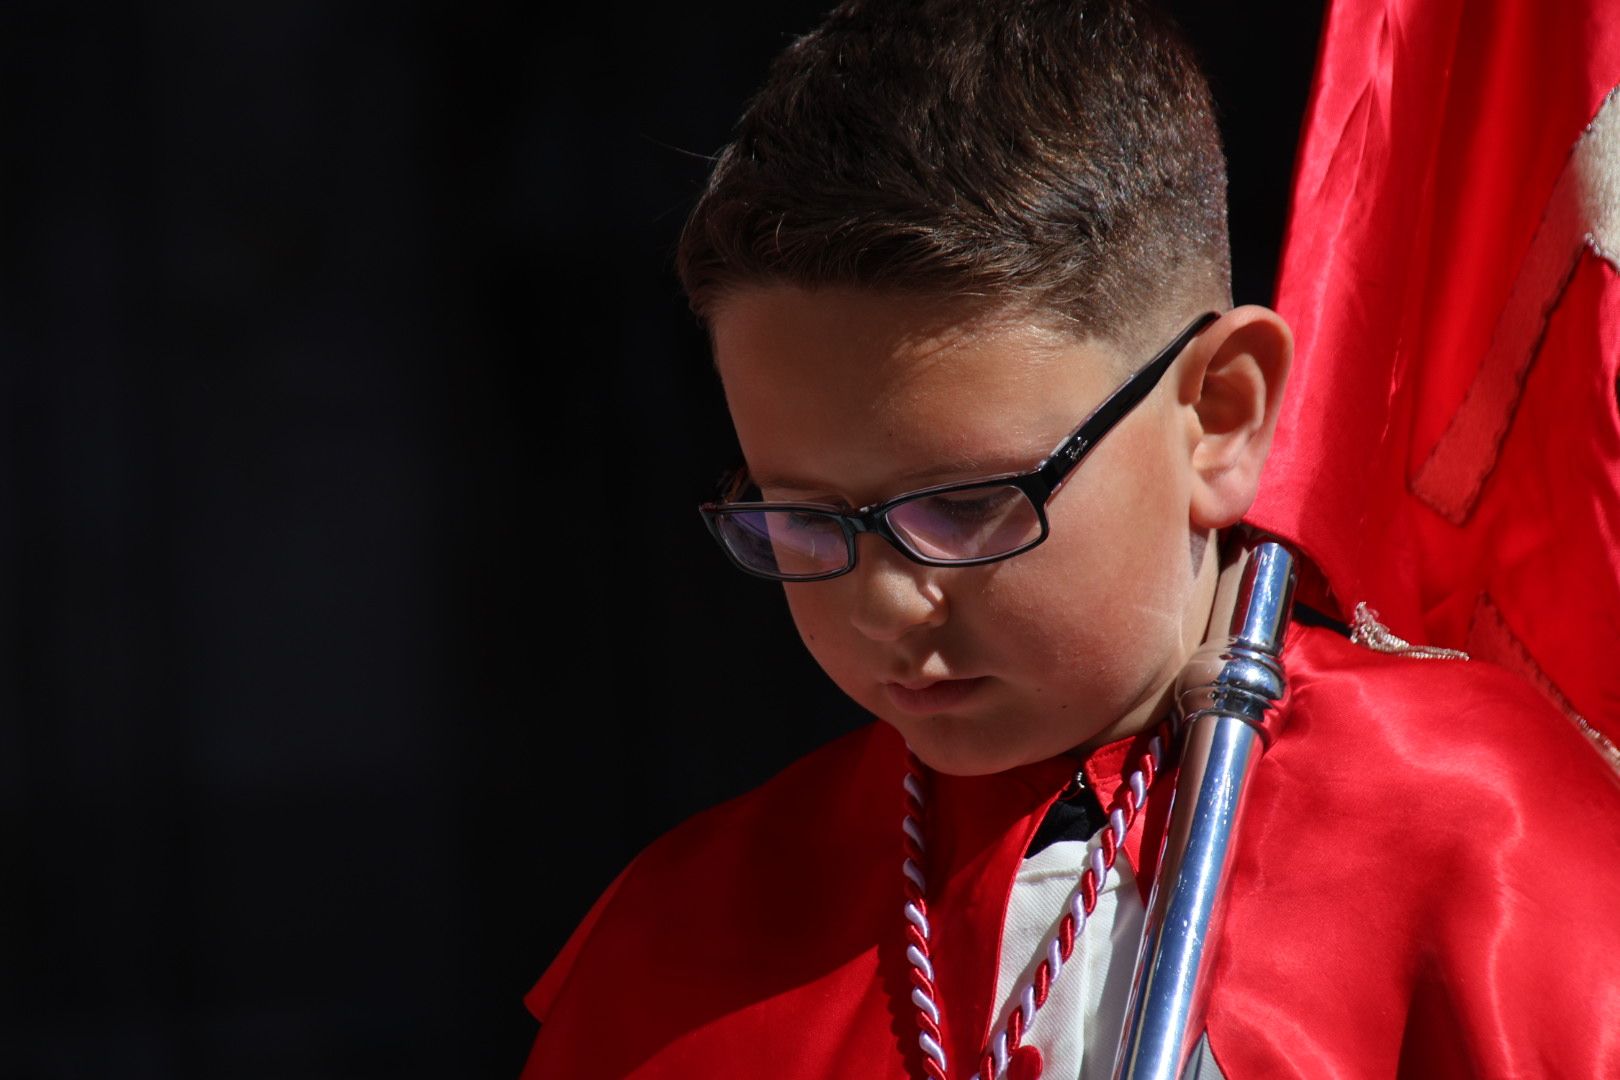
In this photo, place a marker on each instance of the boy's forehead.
(891, 321)
(828, 334)
(843, 383)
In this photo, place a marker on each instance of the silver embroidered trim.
(1610, 752)
(1369, 632)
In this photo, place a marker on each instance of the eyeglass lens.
(791, 543)
(967, 524)
(958, 525)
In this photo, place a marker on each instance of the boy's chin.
(952, 749)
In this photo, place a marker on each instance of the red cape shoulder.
(765, 936)
(733, 907)
(1424, 880)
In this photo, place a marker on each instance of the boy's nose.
(892, 594)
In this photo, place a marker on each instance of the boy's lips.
(926, 696)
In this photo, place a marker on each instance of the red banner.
(1449, 447)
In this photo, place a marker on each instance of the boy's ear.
(1231, 388)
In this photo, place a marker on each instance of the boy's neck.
(1213, 596)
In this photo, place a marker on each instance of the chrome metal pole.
(1227, 697)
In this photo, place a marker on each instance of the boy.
(965, 271)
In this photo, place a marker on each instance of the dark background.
(361, 624)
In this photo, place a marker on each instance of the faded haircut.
(1057, 158)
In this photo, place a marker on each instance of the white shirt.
(1077, 1030)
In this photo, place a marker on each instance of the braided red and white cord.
(1128, 803)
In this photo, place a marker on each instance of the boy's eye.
(966, 503)
(800, 520)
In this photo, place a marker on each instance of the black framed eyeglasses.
(966, 523)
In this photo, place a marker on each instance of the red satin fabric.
(1433, 148)
(1423, 886)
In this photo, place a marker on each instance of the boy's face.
(850, 397)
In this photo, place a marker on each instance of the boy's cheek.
(811, 617)
(837, 648)
(800, 607)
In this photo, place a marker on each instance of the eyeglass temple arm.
(1055, 470)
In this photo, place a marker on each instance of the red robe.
(1448, 448)
(1424, 885)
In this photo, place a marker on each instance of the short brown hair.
(1052, 156)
